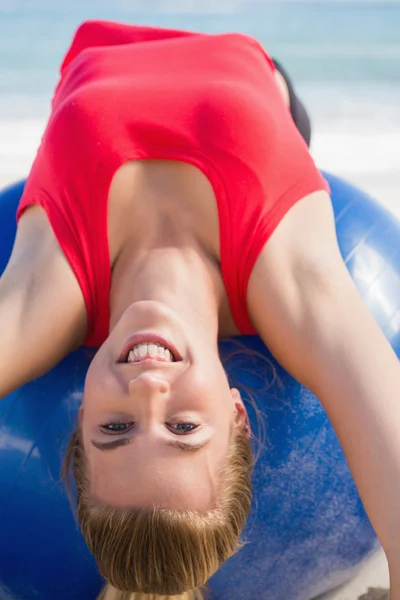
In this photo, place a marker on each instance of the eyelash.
(107, 428)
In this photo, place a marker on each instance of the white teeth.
(150, 350)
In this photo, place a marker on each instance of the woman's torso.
(197, 114)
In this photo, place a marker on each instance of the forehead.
(182, 481)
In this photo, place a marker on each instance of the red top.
(130, 93)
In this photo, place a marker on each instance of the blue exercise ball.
(307, 532)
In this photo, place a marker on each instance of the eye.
(115, 428)
(182, 428)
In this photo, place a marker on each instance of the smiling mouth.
(152, 351)
(149, 348)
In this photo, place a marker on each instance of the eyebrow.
(184, 446)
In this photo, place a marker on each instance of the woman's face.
(157, 413)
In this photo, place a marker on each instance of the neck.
(178, 274)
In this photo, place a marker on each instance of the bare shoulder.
(34, 240)
(302, 253)
(38, 265)
(304, 240)
(40, 303)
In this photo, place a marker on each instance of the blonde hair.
(154, 553)
(110, 593)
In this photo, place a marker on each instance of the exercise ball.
(307, 531)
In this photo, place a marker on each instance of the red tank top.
(130, 93)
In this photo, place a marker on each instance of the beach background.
(343, 56)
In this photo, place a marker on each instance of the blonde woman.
(173, 202)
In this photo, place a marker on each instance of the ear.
(241, 416)
(80, 415)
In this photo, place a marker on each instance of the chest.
(162, 197)
(155, 202)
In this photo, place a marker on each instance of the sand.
(371, 582)
(375, 594)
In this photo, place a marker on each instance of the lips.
(148, 338)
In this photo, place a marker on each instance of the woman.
(173, 202)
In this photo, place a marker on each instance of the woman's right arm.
(42, 310)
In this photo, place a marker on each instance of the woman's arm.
(306, 308)
(42, 312)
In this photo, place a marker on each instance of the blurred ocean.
(344, 58)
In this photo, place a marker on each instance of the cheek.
(99, 389)
(100, 378)
(92, 386)
(207, 382)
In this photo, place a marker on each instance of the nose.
(148, 384)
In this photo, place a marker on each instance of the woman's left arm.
(306, 308)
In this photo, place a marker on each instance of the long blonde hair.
(153, 553)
